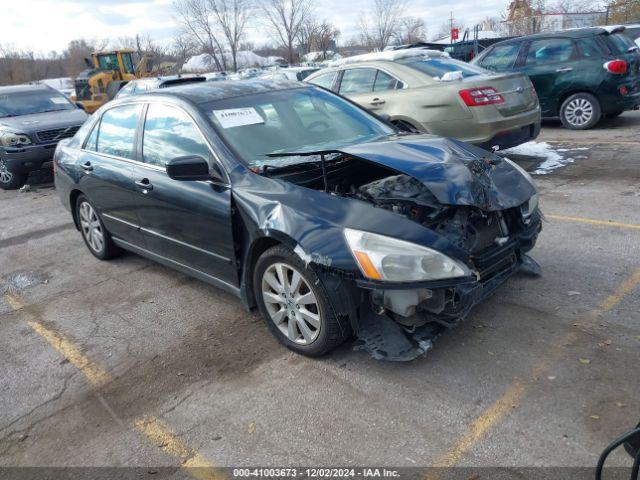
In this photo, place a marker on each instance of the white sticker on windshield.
(59, 100)
(238, 117)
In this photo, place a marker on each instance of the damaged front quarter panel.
(433, 192)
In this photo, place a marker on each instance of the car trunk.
(516, 90)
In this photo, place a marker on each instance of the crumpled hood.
(455, 172)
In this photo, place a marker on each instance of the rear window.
(436, 67)
(619, 43)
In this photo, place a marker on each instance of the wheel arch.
(73, 200)
(254, 248)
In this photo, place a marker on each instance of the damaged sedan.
(328, 220)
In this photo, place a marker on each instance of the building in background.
(523, 18)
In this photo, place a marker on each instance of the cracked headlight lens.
(384, 258)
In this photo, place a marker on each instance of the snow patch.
(245, 58)
(553, 159)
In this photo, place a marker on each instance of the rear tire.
(95, 235)
(581, 111)
(293, 304)
(10, 180)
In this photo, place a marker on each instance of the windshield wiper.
(323, 162)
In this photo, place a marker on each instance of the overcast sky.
(45, 25)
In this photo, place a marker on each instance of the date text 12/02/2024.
(315, 472)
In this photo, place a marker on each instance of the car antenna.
(324, 173)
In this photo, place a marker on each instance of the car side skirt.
(205, 277)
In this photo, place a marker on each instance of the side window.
(170, 133)
(325, 80)
(118, 131)
(384, 81)
(92, 141)
(549, 50)
(590, 47)
(501, 57)
(357, 80)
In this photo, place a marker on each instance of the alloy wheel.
(5, 174)
(578, 112)
(291, 304)
(91, 227)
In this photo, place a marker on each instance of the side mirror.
(632, 445)
(631, 442)
(385, 117)
(190, 168)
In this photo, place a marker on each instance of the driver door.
(187, 222)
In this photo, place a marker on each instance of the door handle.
(564, 69)
(377, 101)
(87, 167)
(144, 185)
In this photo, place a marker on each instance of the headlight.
(530, 206)
(8, 139)
(385, 258)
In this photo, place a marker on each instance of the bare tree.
(411, 30)
(378, 28)
(317, 36)
(183, 47)
(195, 18)
(326, 38)
(573, 6)
(285, 18)
(232, 17)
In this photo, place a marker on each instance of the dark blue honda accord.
(323, 216)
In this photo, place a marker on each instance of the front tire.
(581, 111)
(293, 304)
(95, 235)
(10, 180)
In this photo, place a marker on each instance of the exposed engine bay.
(467, 227)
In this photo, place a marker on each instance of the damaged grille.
(57, 134)
(494, 261)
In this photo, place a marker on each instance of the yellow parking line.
(94, 374)
(592, 221)
(514, 394)
(151, 427)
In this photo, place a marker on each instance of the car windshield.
(25, 103)
(285, 121)
(437, 67)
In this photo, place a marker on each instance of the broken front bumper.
(401, 320)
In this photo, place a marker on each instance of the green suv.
(580, 75)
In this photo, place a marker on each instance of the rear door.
(374, 89)
(501, 58)
(184, 221)
(107, 166)
(553, 65)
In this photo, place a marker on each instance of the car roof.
(569, 33)
(202, 92)
(24, 88)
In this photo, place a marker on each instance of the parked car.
(580, 75)
(33, 118)
(291, 73)
(300, 203)
(143, 85)
(425, 90)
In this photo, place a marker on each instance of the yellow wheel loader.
(108, 72)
